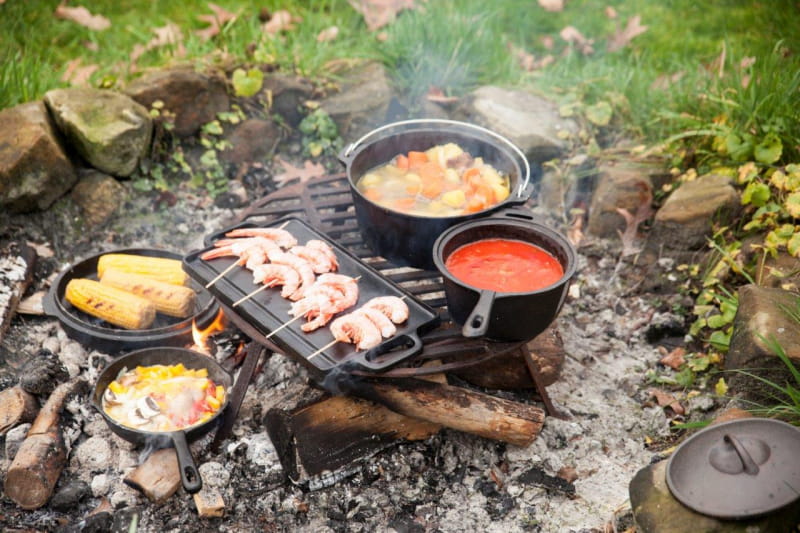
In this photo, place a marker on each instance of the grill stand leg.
(253, 352)
(549, 408)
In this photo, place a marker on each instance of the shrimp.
(303, 268)
(318, 260)
(345, 284)
(356, 328)
(386, 327)
(282, 237)
(318, 305)
(391, 306)
(272, 275)
(251, 252)
(325, 248)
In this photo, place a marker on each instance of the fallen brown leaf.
(528, 61)
(568, 473)
(219, 18)
(575, 231)
(280, 21)
(77, 74)
(548, 42)
(666, 399)
(552, 5)
(435, 94)
(169, 35)
(328, 34)
(623, 37)
(574, 37)
(611, 12)
(632, 221)
(664, 81)
(81, 15)
(674, 359)
(290, 172)
(379, 13)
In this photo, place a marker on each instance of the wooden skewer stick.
(234, 265)
(298, 317)
(221, 274)
(248, 296)
(334, 341)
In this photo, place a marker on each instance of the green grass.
(456, 46)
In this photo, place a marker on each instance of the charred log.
(17, 262)
(41, 457)
(16, 407)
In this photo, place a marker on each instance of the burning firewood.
(158, 477)
(16, 407)
(17, 261)
(41, 457)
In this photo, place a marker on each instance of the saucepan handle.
(373, 360)
(477, 323)
(190, 477)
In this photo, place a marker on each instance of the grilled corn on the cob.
(173, 300)
(160, 268)
(113, 305)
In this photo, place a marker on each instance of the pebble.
(94, 453)
(69, 495)
(101, 484)
(214, 474)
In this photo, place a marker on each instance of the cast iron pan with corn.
(190, 477)
(96, 333)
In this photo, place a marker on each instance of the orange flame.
(200, 336)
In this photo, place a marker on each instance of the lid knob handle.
(734, 456)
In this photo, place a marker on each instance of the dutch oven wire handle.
(522, 186)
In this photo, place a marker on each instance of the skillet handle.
(371, 359)
(49, 301)
(477, 323)
(190, 477)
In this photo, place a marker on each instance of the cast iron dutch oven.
(190, 477)
(95, 333)
(504, 316)
(408, 239)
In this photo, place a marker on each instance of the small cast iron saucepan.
(407, 239)
(190, 477)
(504, 316)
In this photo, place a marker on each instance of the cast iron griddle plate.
(268, 311)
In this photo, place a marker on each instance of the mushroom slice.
(147, 407)
(110, 397)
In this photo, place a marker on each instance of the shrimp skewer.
(282, 237)
(358, 329)
(272, 275)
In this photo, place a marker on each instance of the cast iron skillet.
(406, 239)
(179, 439)
(504, 316)
(100, 335)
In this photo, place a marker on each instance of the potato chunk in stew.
(442, 181)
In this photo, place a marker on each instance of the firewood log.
(16, 407)
(41, 457)
(454, 407)
(158, 477)
(17, 261)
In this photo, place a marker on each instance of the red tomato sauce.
(504, 265)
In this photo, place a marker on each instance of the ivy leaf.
(793, 246)
(792, 204)
(756, 193)
(769, 150)
(600, 113)
(739, 148)
(720, 340)
(699, 364)
(247, 83)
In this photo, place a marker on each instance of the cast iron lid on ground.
(739, 469)
(100, 335)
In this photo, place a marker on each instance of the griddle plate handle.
(373, 360)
